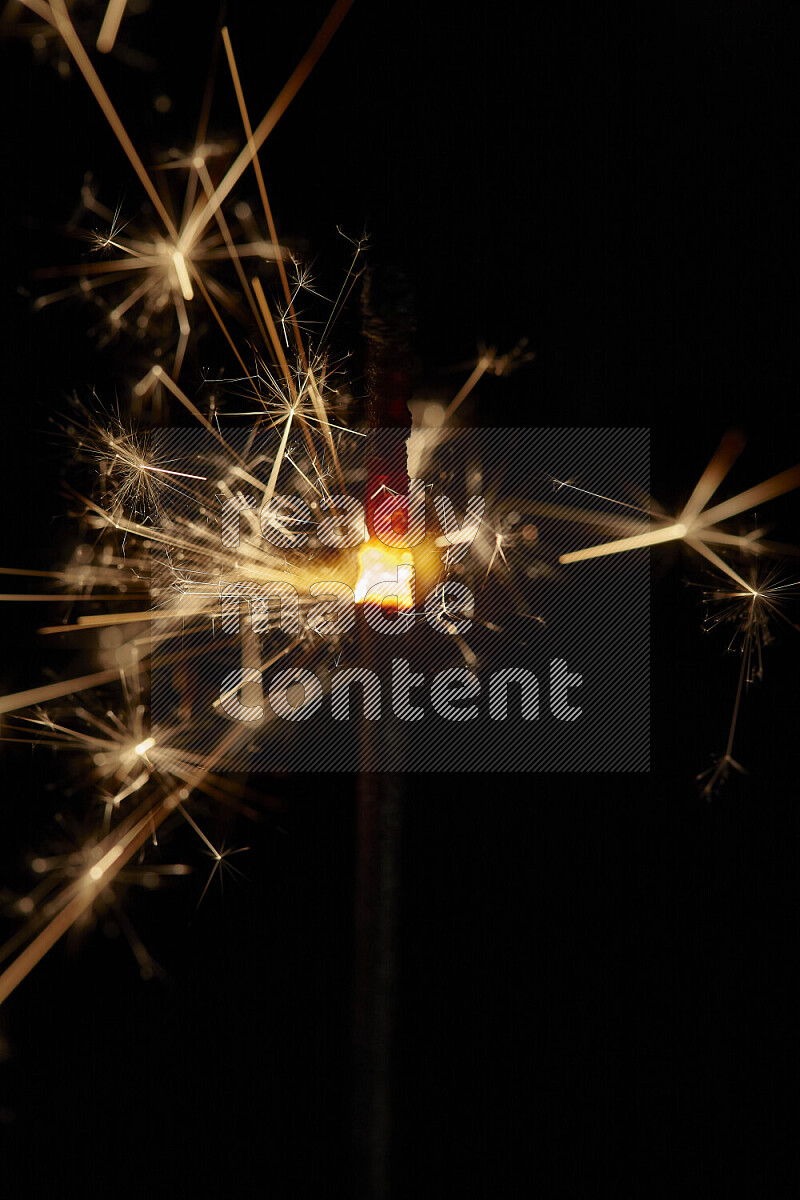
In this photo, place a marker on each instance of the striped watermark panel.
(449, 636)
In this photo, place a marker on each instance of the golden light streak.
(122, 844)
(55, 597)
(54, 691)
(161, 375)
(223, 327)
(152, 254)
(719, 563)
(110, 27)
(647, 512)
(163, 471)
(99, 869)
(701, 527)
(83, 62)
(729, 450)
(201, 218)
(654, 537)
(273, 233)
(261, 668)
(184, 281)
(273, 336)
(281, 358)
(481, 367)
(778, 485)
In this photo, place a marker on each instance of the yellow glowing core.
(379, 564)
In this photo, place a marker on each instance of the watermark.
(340, 624)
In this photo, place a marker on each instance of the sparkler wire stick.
(388, 326)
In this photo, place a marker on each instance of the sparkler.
(139, 279)
(202, 250)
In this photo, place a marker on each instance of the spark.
(156, 269)
(202, 252)
(698, 526)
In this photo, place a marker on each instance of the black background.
(595, 969)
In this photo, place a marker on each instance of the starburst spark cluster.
(197, 254)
